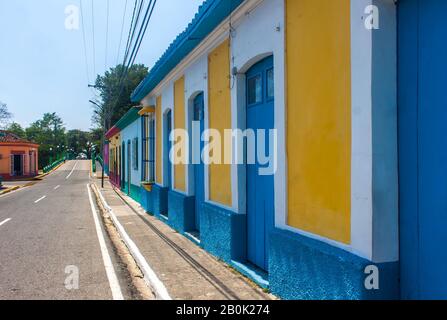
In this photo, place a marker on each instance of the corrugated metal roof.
(210, 14)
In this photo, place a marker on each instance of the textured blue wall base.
(159, 201)
(147, 200)
(304, 268)
(223, 233)
(181, 211)
(135, 193)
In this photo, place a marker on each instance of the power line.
(84, 42)
(139, 41)
(107, 35)
(133, 27)
(94, 48)
(132, 30)
(136, 46)
(122, 31)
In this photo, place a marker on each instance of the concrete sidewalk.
(186, 270)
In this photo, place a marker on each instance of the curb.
(8, 190)
(150, 276)
(40, 177)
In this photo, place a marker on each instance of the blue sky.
(42, 64)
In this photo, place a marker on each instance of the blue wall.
(223, 233)
(423, 148)
(303, 268)
(181, 212)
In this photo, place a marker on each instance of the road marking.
(57, 187)
(110, 271)
(150, 276)
(4, 221)
(74, 167)
(40, 199)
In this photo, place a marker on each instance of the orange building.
(18, 157)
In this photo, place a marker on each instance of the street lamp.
(51, 155)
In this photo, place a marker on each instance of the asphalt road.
(49, 243)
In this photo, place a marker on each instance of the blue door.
(260, 188)
(199, 177)
(167, 148)
(422, 101)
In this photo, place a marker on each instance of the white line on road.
(150, 276)
(74, 167)
(4, 221)
(40, 199)
(57, 187)
(110, 271)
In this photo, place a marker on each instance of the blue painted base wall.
(134, 193)
(159, 201)
(223, 233)
(147, 201)
(304, 268)
(181, 212)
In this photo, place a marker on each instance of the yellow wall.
(179, 123)
(159, 139)
(220, 118)
(115, 142)
(319, 116)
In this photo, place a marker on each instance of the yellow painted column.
(179, 123)
(319, 117)
(159, 140)
(219, 111)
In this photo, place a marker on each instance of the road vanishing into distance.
(52, 242)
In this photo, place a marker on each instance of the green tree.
(17, 129)
(95, 139)
(77, 141)
(5, 115)
(49, 133)
(115, 94)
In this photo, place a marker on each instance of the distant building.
(18, 157)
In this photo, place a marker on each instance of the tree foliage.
(78, 141)
(5, 115)
(115, 94)
(49, 133)
(17, 129)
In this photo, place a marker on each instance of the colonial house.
(18, 157)
(345, 99)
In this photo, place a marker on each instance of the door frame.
(129, 166)
(167, 145)
(200, 166)
(250, 74)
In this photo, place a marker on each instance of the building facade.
(351, 209)
(113, 137)
(18, 158)
(124, 141)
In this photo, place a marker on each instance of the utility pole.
(102, 141)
